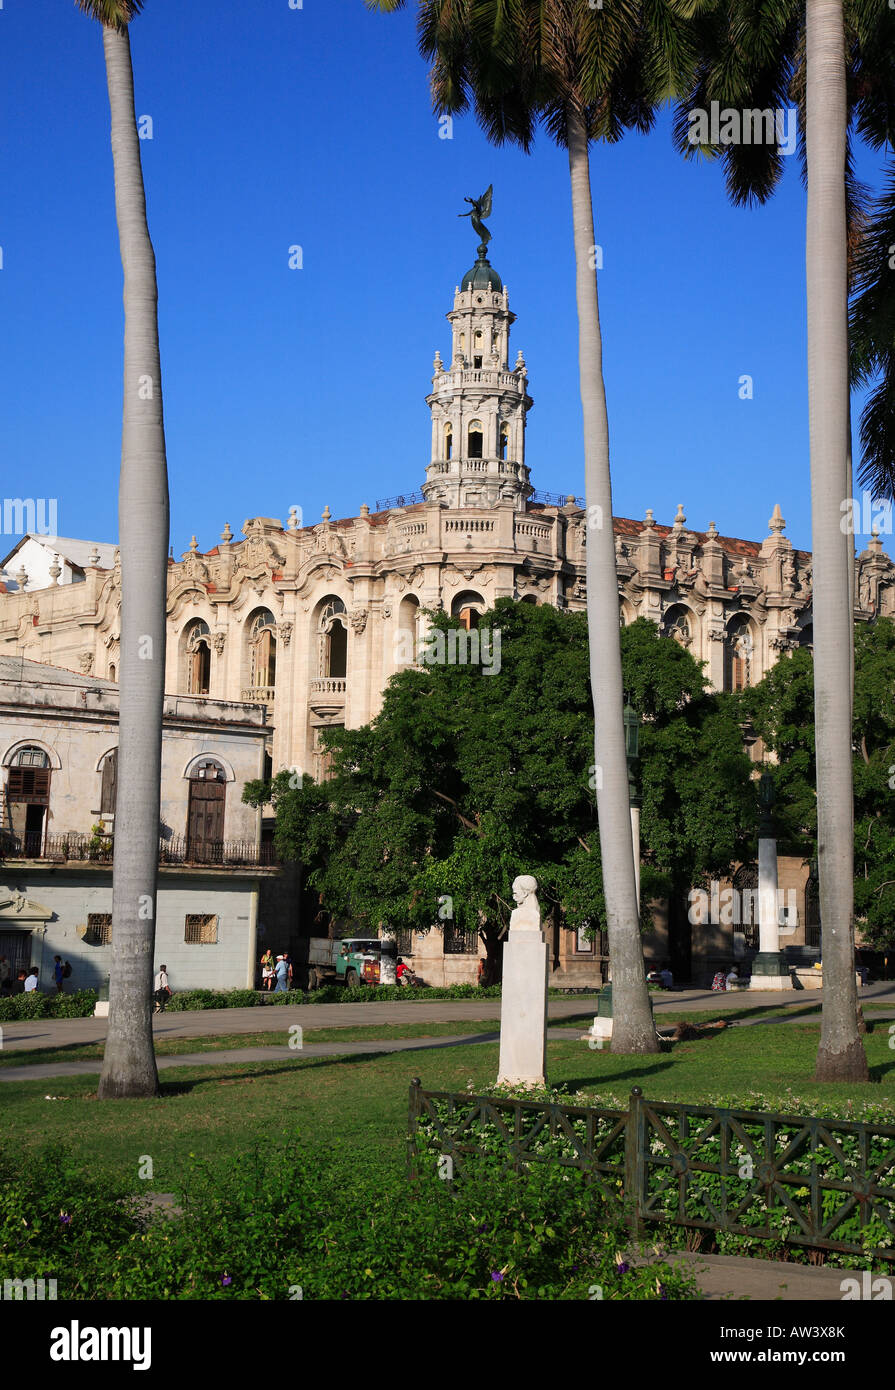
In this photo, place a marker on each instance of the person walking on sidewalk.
(161, 991)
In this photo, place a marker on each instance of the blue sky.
(275, 127)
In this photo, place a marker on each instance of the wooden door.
(205, 828)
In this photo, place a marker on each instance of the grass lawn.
(357, 1106)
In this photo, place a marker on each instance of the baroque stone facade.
(310, 621)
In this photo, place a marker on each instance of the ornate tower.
(478, 405)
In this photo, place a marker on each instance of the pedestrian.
(267, 970)
(58, 973)
(720, 980)
(732, 979)
(161, 990)
(5, 972)
(288, 959)
(31, 980)
(282, 973)
(19, 986)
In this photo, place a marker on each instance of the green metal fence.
(825, 1183)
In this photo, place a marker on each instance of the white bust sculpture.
(526, 916)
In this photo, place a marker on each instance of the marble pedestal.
(523, 1012)
(769, 970)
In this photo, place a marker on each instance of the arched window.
(806, 636)
(112, 672)
(409, 618)
(263, 649)
(738, 654)
(676, 624)
(468, 606)
(334, 639)
(448, 441)
(475, 439)
(478, 348)
(745, 904)
(28, 799)
(504, 441)
(198, 651)
(109, 789)
(205, 817)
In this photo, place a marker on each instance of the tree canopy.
(471, 775)
(781, 710)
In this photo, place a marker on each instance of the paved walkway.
(36, 1034)
(735, 1277)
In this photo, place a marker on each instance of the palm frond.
(113, 14)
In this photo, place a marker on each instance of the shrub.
(35, 1004)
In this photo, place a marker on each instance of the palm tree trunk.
(632, 1026)
(129, 1067)
(840, 1055)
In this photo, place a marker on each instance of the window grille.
(201, 929)
(99, 928)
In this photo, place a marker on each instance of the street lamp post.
(635, 801)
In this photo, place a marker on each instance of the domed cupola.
(478, 404)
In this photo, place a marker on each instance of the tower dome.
(482, 276)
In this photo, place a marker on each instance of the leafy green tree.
(466, 779)
(781, 710)
(129, 1067)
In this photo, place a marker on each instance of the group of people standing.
(26, 981)
(276, 974)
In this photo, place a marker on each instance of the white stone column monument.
(523, 1012)
(769, 966)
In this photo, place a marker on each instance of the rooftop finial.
(326, 512)
(226, 534)
(679, 519)
(777, 524)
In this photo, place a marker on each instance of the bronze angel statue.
(479, 208)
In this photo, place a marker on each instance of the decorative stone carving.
(219, 641)
(526, 916)
(85, 661)
(358, 619)
(284, 633)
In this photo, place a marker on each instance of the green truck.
(339, 962)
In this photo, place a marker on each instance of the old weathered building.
(58, 755)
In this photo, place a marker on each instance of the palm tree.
(584, 74)
(841, 1055)
(829, 57)
(129, 1067)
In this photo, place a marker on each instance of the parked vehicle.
(338, 962)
